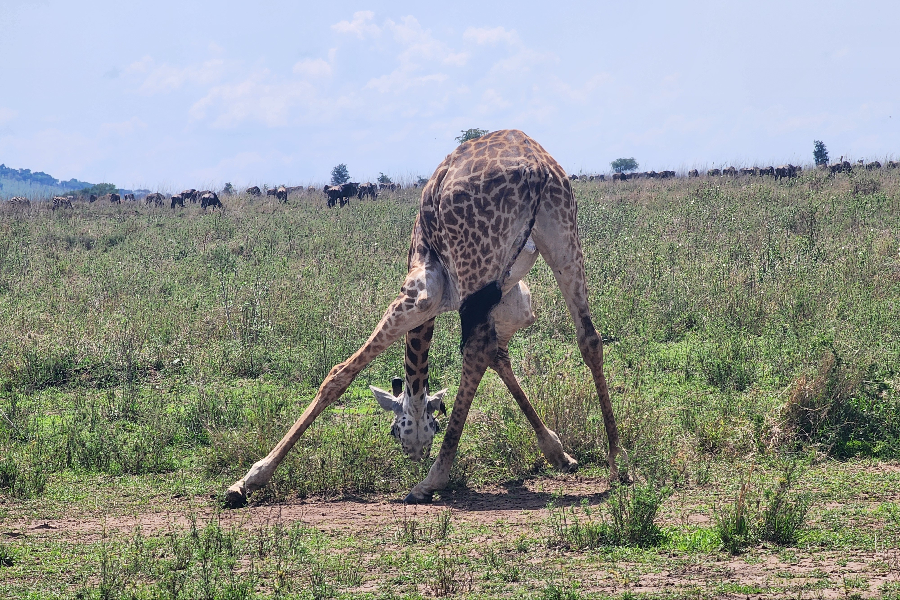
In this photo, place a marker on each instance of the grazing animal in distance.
(61, 202)
(19, 201)
(281, 194)
(333, 193)
(115, 199)
(92, 198)
(770, 171)
(253, 191)
(177, 200)
(713, 173)
(693, 173)
(873, 165)
(129, 197)
(489, 210)
(191, 195)
(156, 199)
(208, 198)
(367, 190)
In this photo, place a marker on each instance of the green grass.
(164, 352)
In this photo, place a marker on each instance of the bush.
(845, 410)
(777, 515)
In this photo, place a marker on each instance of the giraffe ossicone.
(492, 206)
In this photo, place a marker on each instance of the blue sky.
(193, 94)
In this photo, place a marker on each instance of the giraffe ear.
(386, 399)
(436, 402)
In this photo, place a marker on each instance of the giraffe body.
(488, 210)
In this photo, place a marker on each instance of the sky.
(168, 95)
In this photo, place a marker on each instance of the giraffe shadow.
(514, 496)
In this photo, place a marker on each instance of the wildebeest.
(873, 165)
(367, 190)
(253, 191)
(61, 202)
(177, 200)
(129, 197)
(92, 198)
(770, 171)
(788, 171)
(115, 199)
(619, 177)
(666, 174)
(333, 192)
(747, 171)
(348, 190)
(191, 194)
(693, 173)
(281, 193)
(208, 198)
(155, 198)
(892, 164)
(714, 172)
(729, 172)
(388, 187)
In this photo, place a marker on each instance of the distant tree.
(820, 153)
(99, 189)
(471, 134)
(382, 178)
(229, 189)
(622, 165)
(422, 180)
(340, 175)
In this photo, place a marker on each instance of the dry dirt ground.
(496, 517)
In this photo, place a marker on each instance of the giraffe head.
(414, 424)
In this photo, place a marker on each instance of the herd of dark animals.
(339, 195)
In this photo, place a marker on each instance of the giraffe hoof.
(413, 499)
(235, 497)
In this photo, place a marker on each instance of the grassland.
(148, 357)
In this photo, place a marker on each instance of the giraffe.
(490, 208)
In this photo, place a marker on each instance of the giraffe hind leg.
(560, 247)
(512, 314)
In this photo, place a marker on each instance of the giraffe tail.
(475, 309)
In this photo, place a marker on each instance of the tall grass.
(143, 340)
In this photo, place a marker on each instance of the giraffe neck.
(418, 342)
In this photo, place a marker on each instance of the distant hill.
(24, 182)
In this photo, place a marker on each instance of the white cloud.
(313, 67)
(263, 98)
(481, 35)
(161, 78)
(7, 114)
(361, 25)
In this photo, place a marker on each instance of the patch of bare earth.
(499, 515)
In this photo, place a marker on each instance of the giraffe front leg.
(417, 303)
(478, 354)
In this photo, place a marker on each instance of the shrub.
(778, 515)
(470, 134)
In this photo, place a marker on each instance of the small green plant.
(784, 515)
(778, 515)
(556, 591)
(733, 523)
